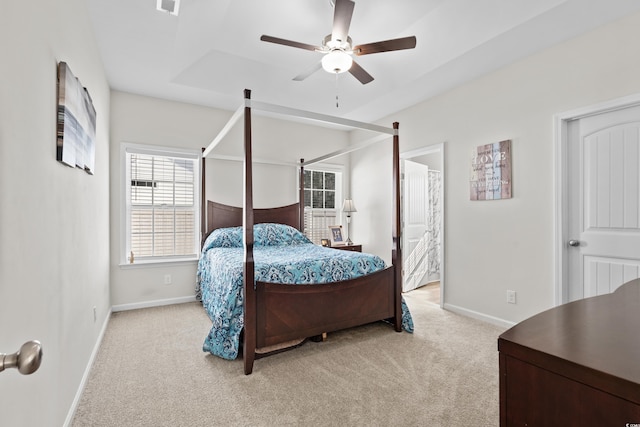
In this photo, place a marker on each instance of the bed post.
(396, 252)
(301, 196)
(249, 349)
(203, 200)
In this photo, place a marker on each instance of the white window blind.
(322, 193)
(317, 222)
(162, 209)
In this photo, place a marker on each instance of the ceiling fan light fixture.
(337, 61)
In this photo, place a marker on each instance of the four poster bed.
(263, 283)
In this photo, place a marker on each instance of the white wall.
(54, 220)
(492, 246)
(152, 121)
(431, 160)
(274, 140)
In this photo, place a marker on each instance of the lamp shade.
(337, 61)
(349, 206)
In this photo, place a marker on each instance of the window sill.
(158, 263)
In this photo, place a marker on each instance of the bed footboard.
(287, 312)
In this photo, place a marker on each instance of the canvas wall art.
(76, 130)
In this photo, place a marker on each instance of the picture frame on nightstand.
(336, 235)
(326, 243)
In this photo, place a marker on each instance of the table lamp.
(348, 207)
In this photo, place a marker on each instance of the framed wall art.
(490, 177)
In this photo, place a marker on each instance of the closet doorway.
(422, 196)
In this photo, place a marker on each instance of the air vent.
(169, 6)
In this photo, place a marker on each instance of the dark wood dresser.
(574, 365)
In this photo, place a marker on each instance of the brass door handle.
(27, 359)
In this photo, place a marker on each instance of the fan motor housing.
(337, 44)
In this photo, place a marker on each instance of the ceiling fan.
(338, 49)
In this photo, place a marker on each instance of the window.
(161, 206)
(322, 193)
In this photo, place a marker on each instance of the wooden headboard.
(220, 216)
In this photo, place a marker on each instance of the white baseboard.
(87, 371)
(155, 303)
(479, 316)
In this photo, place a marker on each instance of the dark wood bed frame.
(276, 313)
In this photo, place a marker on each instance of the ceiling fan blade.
(385, 46)
(342, 13)
(284, 42)
(300, 77)
(359, 73)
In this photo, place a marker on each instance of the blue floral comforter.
(220, 275)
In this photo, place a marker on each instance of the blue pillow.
(263, 235)
(230, 237)
(277, 235)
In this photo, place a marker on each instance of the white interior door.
(415, 219)
(603, 202)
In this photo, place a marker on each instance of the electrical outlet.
(167, 279)
(511, 297)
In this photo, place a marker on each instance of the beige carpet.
(151, 371)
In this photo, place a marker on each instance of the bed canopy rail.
(249, 341)
(308, 115)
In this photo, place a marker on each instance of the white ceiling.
(212, 51)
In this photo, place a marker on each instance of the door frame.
(431, 149)
(561, 180)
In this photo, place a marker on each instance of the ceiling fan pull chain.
(337, 100)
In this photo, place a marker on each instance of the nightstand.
(353, 248)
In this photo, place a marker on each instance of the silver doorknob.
(27, 359)
(574, 243)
